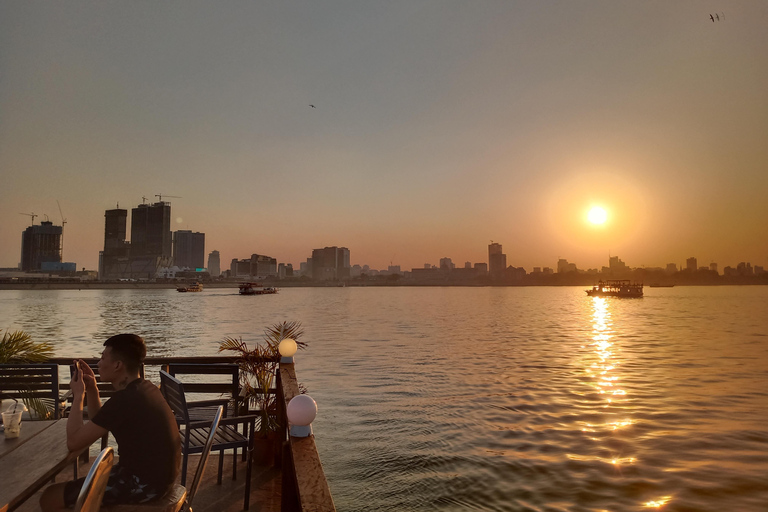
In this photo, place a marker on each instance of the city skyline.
(193, 248)
(437, 128)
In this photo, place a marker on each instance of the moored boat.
(616, 288)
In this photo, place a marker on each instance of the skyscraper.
(114, 258)
(40, 244)
(330, 263)
(188, 249)
(497, 261)
(214, 264)
(151, 231)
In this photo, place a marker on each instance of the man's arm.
(92, 398)
(79, 434)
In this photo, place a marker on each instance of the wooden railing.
(304, 487)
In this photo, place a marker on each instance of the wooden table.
(30, 461)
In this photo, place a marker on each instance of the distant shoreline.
(96, 285)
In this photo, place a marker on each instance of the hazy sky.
(439, 126)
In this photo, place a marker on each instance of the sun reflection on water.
(657, 503)
(603, 370)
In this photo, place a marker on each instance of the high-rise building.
(563, 266)
(40, 244)
(263, 266)
(113, 261)
(497, 261)
(616, 265)
(446, 264)
(151, 231)
(691, 264)
(330, 263)
(214, 264)
(188, 249)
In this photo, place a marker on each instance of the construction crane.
(160, 197)
(63, 222)
(33, 215)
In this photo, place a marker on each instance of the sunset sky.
(439, 126)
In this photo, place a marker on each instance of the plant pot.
(267, 449)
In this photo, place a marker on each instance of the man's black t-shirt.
(145, 429)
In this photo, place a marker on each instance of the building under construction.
(150, 247)
(41, 247)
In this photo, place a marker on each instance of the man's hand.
(88, 376)
(76, 384)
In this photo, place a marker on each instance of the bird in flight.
(313, 106)
(712, 18)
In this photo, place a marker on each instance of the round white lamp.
(301, 411)
(287, 349)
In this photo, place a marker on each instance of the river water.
(498, 399)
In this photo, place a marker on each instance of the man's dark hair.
(128, 348)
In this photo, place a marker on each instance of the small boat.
(194, 287)
(658, 285)
(255, 289)
(616, 288)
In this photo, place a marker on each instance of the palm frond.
(287, 329)
(18, 347)
(233, 344)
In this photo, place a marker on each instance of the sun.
(597, 215)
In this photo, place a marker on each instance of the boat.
(256, 289)
(658, 285)
(194, 287)
(616, 288)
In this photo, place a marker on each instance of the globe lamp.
(301, 411)
(287, 349)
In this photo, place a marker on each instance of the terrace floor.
(266, 486)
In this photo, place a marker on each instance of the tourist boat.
(194, 287)
(255, 289)
(616, 288)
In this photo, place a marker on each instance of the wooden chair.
(223, 388)
(194, 433)
(92, 491)
(32, 381)
(178, 497)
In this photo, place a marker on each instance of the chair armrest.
(208, 403)
(236, 420)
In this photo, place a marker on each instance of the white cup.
(12, 424)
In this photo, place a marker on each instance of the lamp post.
(301, 411)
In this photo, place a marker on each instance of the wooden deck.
(266, 487)
(298, 486)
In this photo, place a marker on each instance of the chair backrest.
(203, 459)
(31, 381)
(173, 391)
(92, 491)
(230, 385)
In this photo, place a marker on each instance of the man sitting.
(142, 423)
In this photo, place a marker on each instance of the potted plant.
(258, 368)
